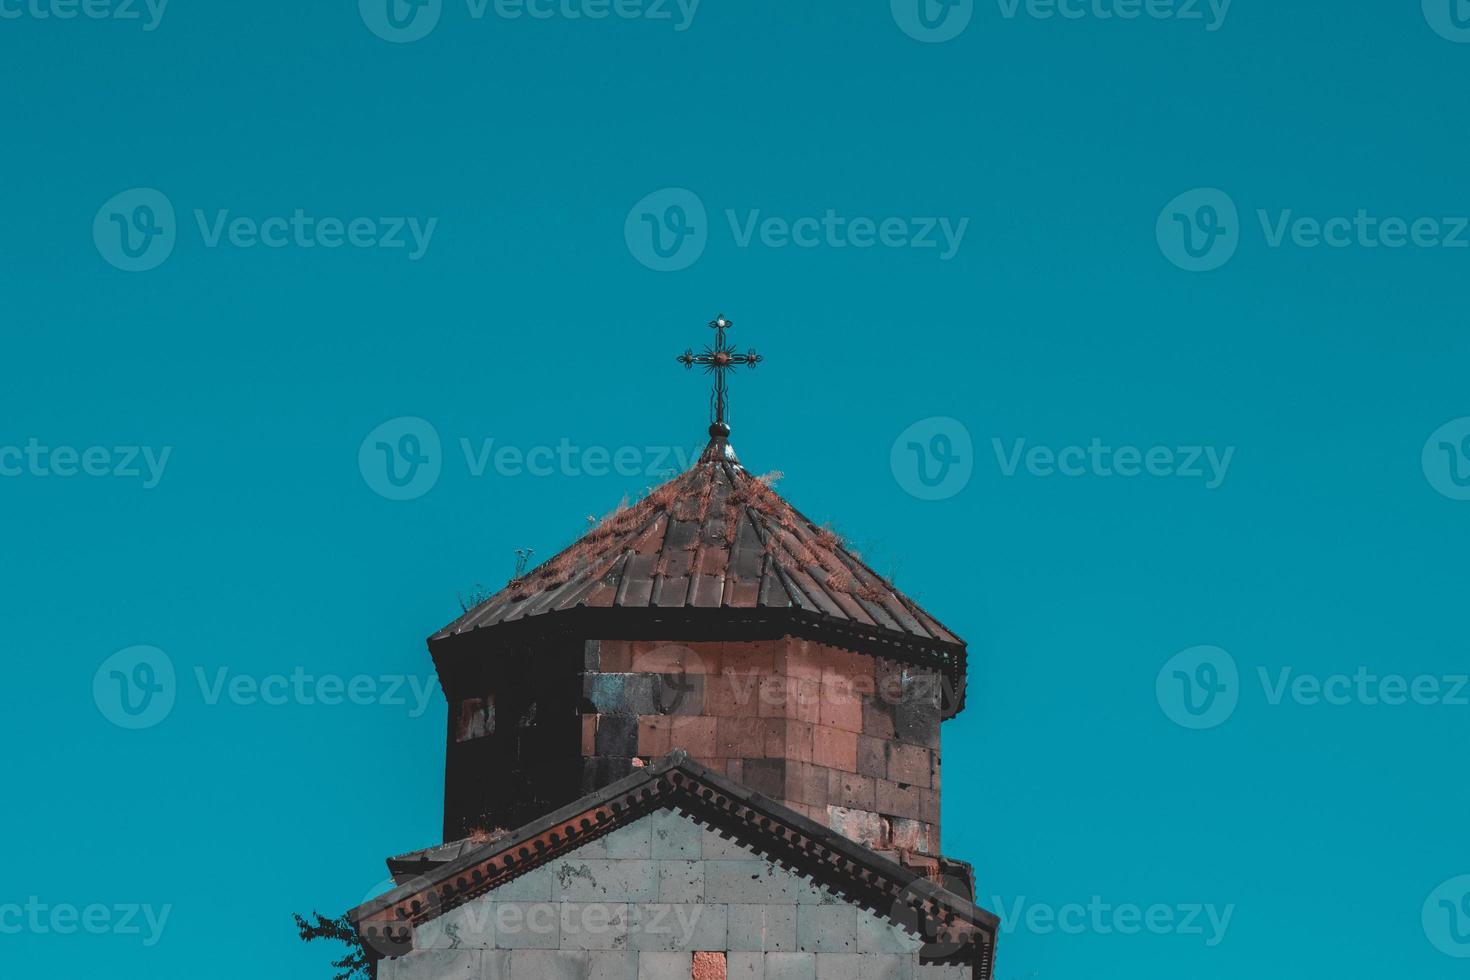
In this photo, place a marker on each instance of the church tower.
(708, 634)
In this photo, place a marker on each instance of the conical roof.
(715, 537)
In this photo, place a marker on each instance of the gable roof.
(950, 923)
(716, 538)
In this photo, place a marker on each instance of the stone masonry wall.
(849, 740)
(640, 903)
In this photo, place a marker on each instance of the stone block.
(826, 929)
(840, 966)
(669, 927)
(676, 836)
(470, 926)
(433, 964)
(929, 806)
(527, 925)
(896, 800)
(851, 790)
(866, 828)
(806, 783)
(695, 735)
(617, 735)
(835, 748)
(610, 965)
(614, 656)
(722, 846)
(842, 705)
(606, 692)
(575, 879)
(665, 966)
(594, 925)
(494, 965)
(872, 757)
(878, 934)
(791, 966)
(761, 928)
(753, 882)
(533, 886)
(746, 966)
(548, 964)
(653, 735)
(765, 776)
(878, 720)
(634, 840)
(943, 971)
(887, 966)
(908, 764)
(681, 881)
(740, 737)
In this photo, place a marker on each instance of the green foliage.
(354, 965)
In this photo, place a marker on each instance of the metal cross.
(717, 360)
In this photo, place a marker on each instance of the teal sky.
(806, 154)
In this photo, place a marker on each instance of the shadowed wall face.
(850, 740)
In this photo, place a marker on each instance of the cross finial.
(718, 359)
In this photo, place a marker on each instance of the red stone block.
(731, 695)
(775, 699)
(872, 757)
(589, 736)
(806, 783)
(653, 735)
(894, 800)
(693, 734)
(878, 720)
(757, 657)
(835, 748)
(908, 764)
(842, 702)
(740, 738)
(866, 828)
(929, 806)
(850, 790)
(773, 738)
(799, 740)
(615, 656)
(650, 657)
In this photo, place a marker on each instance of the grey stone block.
(607, 692)
(533, 886)
(617, 735)
(620, 964)
(745, 966)
(717, 848)
(433, 964)
(675, 836)
(471, 926)
(660, 926)
(762, 928)
(750, 882)
(494, 965)
(548, 964)
(604, 880)
(667, 966)
(594, 925)
(811, 893)
(876, 934)
(527, 925)
(865, 966)
(632, 841)
(943, 971)
(826, 929)
(681, 881)
(791, 966)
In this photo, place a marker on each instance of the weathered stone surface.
(604, 879)
(610, 965)
(791, 966)
(763, 928)
(548, 964)
(594, 925)
(826, 929)
(681, 881)
(947, 971)
(877, 934)
(720, 848)
(527, 925)
(675, 836)
(471, 926)
(433, 964)
(635, 840)
(749, 882)
(745, 966)
(661, 926)
(665, 966)
(533, 886)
